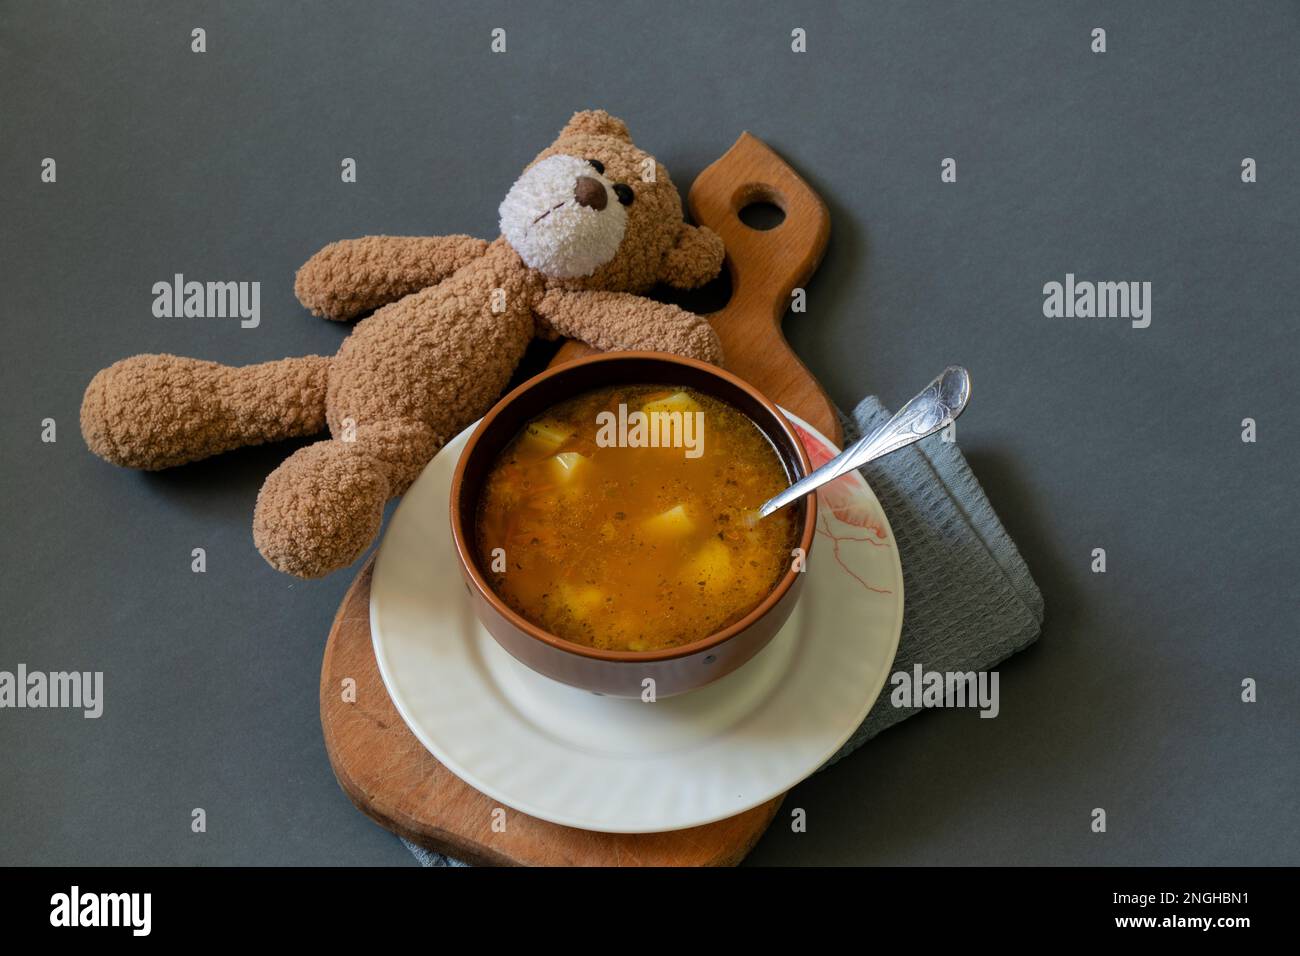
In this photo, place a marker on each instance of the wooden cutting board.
(379, 763)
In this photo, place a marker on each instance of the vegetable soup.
(628, 531)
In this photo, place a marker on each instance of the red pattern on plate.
(843, 496)
(846, 499)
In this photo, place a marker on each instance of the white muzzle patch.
(559, 226)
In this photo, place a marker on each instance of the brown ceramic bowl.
(620, 673)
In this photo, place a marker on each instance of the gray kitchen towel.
(970, 600)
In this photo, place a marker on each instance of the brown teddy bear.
(592, 222)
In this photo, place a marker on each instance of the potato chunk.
(711, 564)
(676, 402)
(674, 522)
(583, 600)
(545, 436)
(567, 465)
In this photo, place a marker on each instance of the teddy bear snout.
(590, 193)
(559, 217)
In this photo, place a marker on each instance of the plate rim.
(560, 819)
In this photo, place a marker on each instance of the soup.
(631, 532)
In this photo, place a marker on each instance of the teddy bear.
(591, 224)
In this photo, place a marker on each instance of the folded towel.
(970, 600)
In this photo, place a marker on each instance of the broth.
(631, 546)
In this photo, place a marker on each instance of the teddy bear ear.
(596, 123)
(694, 258)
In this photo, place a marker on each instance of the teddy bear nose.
(590, 193)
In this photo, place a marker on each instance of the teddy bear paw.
(320, 509)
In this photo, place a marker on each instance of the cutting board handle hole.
(759, 206)
(762, 216)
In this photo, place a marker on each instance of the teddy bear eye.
(624, 194)
(597, 165)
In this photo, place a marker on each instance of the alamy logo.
(922, 688)
(1101, 300)
(656, 429)
(37, 689)
(208, 300)
(75, 908)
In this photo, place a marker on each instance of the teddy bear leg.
(157, 411)
(323, 506)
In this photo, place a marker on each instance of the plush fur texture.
(571, 237)
(454, 315)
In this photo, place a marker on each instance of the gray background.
(1085, 433)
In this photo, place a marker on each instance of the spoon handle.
(934, 408)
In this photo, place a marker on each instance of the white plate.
(623, 766)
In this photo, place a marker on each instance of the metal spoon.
(936, 407)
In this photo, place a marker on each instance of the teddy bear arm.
(349, 278)
(619, 320)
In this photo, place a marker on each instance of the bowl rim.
(464, 547)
